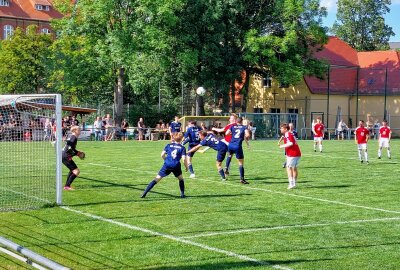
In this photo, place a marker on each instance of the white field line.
(272, 191)
(175, 238)
(290, 227)
(168, 236)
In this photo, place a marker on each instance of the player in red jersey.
(318, 131)
(293, 154)
(361, 139)
(385, 134)
(227, 138)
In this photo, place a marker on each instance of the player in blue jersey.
(192, 137)
(239, 133)
(172, 155)
(210, 140)
(174, 127)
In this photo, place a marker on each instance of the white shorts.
(362, 146)
(318, 139)
(292, 162)
(384, 142)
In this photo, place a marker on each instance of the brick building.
(22, 13)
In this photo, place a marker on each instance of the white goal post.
(30, 146)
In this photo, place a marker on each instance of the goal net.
(30, 145)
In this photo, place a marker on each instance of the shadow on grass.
(112, 184)
(58, 247)
(335, 186)
(270, 264)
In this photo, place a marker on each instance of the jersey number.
(237, 134)
(173, 154)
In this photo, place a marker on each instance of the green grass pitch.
(343, 215)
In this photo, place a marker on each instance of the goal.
(30, 146)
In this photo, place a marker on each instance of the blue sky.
(392, 19)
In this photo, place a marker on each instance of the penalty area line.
(176, 239)
(272, 191)
(290, 227)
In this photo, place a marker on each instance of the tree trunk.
(233, 96)
(119, 96)
(246, 91)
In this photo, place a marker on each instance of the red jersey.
(319, 130)
(228, 137)
(384, 132)
(361, 135)
(293, 150)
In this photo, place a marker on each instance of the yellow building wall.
(299, 97)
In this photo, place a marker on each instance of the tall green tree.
(216, 40)
(116, 34)
(361, 24)
(23, 60)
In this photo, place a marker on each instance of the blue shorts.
(221, 155)
(237, 150)
(165, 171)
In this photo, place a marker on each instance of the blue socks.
(149, 187)
(241, 171)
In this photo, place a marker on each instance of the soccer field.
(343, 215)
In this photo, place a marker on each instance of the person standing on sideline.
(210, 140)
(341, 128)
(174, 127)
(318, 131)
(141, 128)
(97, 125)
(69, 151)
(192, 137)
(239, 134)
(172, 155)
(227, 138)
(124, 129)
(385, 134)
(293, 154)
(361, 139)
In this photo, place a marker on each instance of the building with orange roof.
(22, 13)
(358, 86)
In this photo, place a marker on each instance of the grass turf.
(343, 215)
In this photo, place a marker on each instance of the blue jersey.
(175, 127)
(192, 136)
(213, 142)
(174, 153)
(238, 133)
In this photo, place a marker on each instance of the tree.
(23, 59)
(116, 34)
(215, 41)
(361, 24)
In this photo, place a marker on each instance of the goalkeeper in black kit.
(68, 153)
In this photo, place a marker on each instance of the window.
(4, 3)
(258, 110)
(7, 31)
(38, 7)
(267, 82)
(47, 8)
(45, 31)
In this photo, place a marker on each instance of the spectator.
(109, 127)
(377, 127)
(124, 130)
(74, 121)
(141, 128)
(47, 129)
(341, 128)
(252, 128)
(97, 127)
